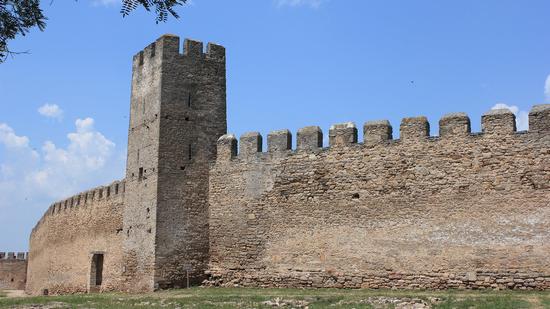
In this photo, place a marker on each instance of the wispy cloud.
(547, 89)
(522, 117)
(296, 3)
(51, 111)
(107, 3)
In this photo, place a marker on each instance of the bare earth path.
(15, 293)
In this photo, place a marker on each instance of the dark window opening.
(182, 168)
(116, 188)
(189, 152)
(140, 177)
(186, 118)
(189, 99)
(108, 191)
(97, 270)
(11, 279)
(355, 195)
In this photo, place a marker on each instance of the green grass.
(2, 294)
(293, 298)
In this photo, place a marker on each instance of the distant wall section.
(77, 245)
(13, 270)
(460, 210)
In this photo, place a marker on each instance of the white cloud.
(547, 89)
(51, 111)
(295, 3)
(522, 117)
(10, 139)
(30, 178)
(107, 3)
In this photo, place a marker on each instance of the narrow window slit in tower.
(140, 177)
(189, 99)
(116, 188)
(189, 153)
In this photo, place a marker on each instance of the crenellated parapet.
(107, 193)
(168, 47)
(461, 209)
(498, 122)
(13, 256)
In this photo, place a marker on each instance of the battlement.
(500, 122)
(13, 256)
(168, 47)
(106, 193)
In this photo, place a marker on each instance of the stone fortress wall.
(177, 114)
(13, 270)
(460, 210)
(65, 240)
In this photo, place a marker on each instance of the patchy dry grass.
(290, 298)
(2, 294)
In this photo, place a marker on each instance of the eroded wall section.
(460, 210)
(77, 245)
(13, 270)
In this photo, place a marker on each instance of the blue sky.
(291, 63)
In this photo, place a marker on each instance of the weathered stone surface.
(178, 112)
(280, 140)
(309, 138)
(343, 134)
(13, 271)
(457, 211)
(64, 240)
(414, 128)
(377, 131)
(227, 147)
(538, 118)
(498, 121)
(454, 124)
(415, 213)
(250, 143)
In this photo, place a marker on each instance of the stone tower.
(177, 113)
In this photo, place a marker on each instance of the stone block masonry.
(70, 235)
(458, 210)
(13, 270)
(177, 114)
